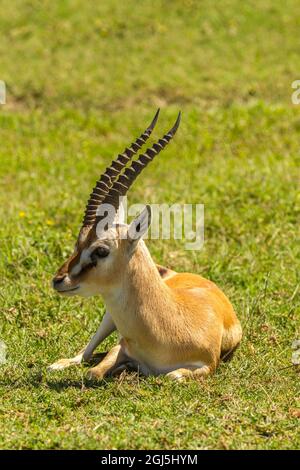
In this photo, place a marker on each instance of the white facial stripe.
(84, 260)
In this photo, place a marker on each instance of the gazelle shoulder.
(193, 289)
(189, 281)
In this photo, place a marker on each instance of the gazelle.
(178, 324)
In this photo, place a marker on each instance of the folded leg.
(114, 362)
(106, 327)
(185, 373)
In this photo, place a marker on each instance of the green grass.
(83, 78)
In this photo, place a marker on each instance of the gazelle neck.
(140, 292)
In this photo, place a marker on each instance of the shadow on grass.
(86, 383)
(64, 384)
(39, 377)
(58, 385)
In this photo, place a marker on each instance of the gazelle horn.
(105, 183)
(123, 183)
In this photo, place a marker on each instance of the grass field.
(82, 79)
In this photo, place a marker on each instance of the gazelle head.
(104, 246)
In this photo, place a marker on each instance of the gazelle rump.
(178, 324)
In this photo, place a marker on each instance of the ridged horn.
(110, 175)
(123, 183)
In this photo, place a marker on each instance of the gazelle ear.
(139, 226)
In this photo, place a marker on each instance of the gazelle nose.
(58, 280)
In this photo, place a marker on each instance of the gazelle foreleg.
(115, 360)
(106, 327)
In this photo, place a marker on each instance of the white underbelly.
(152, 366)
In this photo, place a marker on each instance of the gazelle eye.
(100, 252)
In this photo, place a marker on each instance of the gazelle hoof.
(176, 376)
(59, 365)
(94, 374)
